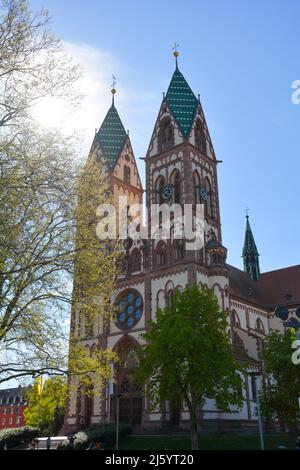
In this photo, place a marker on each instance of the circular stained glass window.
(130, 309)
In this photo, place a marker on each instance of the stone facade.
(180, 156)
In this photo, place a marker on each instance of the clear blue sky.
(242, 57)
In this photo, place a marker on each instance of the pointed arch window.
(178, 250)
(158, 189)
(200, 138)
(260, 327)
(235, 321)
(161, 254)
(165, 134)
(196, 185)
(209, 212)
(130, 361)
(176, 182)
(135, 261)
(237, 341)
(127, 174)
(169, 298)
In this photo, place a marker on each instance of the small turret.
(250, 254)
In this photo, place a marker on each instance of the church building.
(181, 168)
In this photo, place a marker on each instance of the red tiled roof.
(273, 288)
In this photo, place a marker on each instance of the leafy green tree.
(282, 388)
(46, 408)
(37, 195)
(44, 198)
(188, 354)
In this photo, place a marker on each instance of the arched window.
(176, 182)
(235, 321)
(130, 361)
(178, 250)
(159, 185)
(213, 258)
(237, 341)
(196, 184)
(165, 134)
(200, 138)
(161, 254)
(169, 298)
(135, 261)
(127, 174)
(259, 326)
(208, 203)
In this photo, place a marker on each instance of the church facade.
(181, 168)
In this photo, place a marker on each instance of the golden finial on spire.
(175, 49)
(176, 53)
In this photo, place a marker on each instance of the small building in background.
(12, 406)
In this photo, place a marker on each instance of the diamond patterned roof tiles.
(112, 136)
(182, 102)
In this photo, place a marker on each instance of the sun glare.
(51, 112)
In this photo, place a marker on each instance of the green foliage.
(280, 395)
(188, 353)
(188, 350)
(15, 437)
(37, 195)
(106, 434)
(43, 231)
(46, 411)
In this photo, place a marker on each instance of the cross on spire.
(247, 212)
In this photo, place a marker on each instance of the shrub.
(82, 440)
(64, 445)
(105, 433)
(16, 436)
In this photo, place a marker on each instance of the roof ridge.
(282, 269)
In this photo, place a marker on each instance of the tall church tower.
(111, 149)
(181, 167)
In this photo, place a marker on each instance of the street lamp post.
(260, 423)
(118, 418)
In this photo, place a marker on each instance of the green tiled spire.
(250, 254)
(112, 136)
(182, 102)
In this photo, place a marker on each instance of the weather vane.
(113, 86)
(247, 212)
(176, 53)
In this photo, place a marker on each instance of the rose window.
(130, 309)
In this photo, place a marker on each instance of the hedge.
(16, 436)
(105, 433)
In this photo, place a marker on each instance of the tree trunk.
(193, 424)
